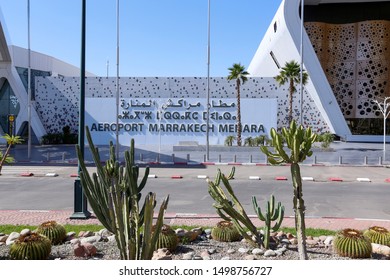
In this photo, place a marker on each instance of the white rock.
(111, 238)
(231, 251)
(91, 239)
(104, 232)
(11, 238)
(269, 253)
(25, 231)
(380, 249)
(311, 242)
(225, 259)
(207, 231)
(279, 252)
(198, 258)
(211, 251)
(250, 258)
(257, 251)
(2, 243)
(243, 250)
(329, 241)
(188, 256)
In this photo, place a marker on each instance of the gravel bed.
(109, 251)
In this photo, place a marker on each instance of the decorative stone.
(329, 241)
(322, 238)
(207, 231)
(25, 231)
(257, 251)
(2, 234)
(111, 238)
(231, 251)
(309, 237)
(294, 241)
(380, 249)
(91, 239)
(162, 254)
(280, 251)
(188, 256)
(104, 232)
(81, 233)
(88, 234)
(3, 238)
(290, 235)
(74, 241)
(205, 255)
(198, 258)
(211, 251)
(225, 259)
(250, 258)
(311, 242)
(269, 253)
(243, 250)
(11, 238)
(84, 250)
(2, 243)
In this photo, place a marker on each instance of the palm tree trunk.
(299, 209)
(5, 157)
(291, 89)
(238, 114)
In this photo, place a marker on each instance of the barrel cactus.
(52, 230)
(31, 246)
(378, 235)
(166, 239)
(352, 243)
(225, 231)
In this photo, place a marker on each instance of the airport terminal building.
(345, 52)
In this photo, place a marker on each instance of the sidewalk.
(27, 217)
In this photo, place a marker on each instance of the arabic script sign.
(168, 121)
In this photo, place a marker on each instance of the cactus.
(52, 230)
(378, 235)
(299, 141)
(225, 231)
(352, 243)
(167, 238)
(114, 195)
(232, 210)
(271, 214)
(31, 246)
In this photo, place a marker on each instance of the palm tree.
(291, 73)
(11, 140)
(238, 73)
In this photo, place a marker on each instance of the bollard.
(48, 156)
(235, 158)
(141, 157)
(266, 160)
(204, 158)
(365, 160)
(380, 160)
(188, 157)
(173, 157)
(158, 158)
(219, 158)
(250, 159)
(315, 160)
(63, 156)
(340, 160)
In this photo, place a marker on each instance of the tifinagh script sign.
(170, 120)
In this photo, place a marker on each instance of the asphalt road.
(323, 198)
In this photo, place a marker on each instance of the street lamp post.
(208, 86)
(301, 53)
(80, 200)
(384, 109)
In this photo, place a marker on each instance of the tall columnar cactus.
(114, 195)
(299, 141)
(272, 213)
(31, 246)
(231, 209)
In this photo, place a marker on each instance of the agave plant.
(225, 231)
(31, 246)
(352, 243)
(52, 230)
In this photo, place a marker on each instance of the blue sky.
(157, 37)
